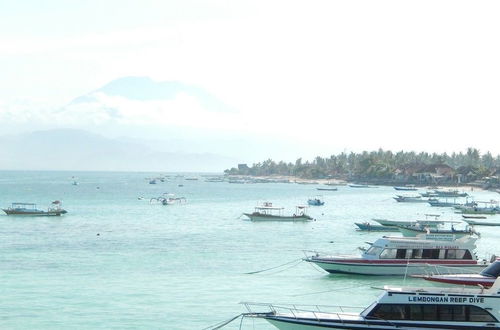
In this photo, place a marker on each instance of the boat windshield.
(373, 251)
(492, 270)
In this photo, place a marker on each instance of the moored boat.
(410, 199)
(30, 209)
(168, 199)
(268, 212)
(395, 308)
(473, 216)
(481, 223)
(427, 222)
(353, 185)
(450, 193)
(407, 188)
(316, 201)
(434, 233)
(489, 208)
(404, 256)
(366, 226)
(486, 277)
(327, 189)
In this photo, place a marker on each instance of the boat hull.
(313, 203)
(473, 279)
(393, 223)
(481, 223)
(409, 200)
(406, 188)
(389, 267)
(267, 217)
(292, 323)
(371, 227)
(35, 213)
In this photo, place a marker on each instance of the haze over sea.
(117, 262)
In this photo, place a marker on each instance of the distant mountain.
(145, 89)
(67, 149)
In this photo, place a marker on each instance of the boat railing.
(317, 311)
(336, 311)
(449, 270)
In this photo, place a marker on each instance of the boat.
(473, 216)
(168, 199)
(327, 189)
(480, 210)
(440, 203)
(366, 226)
(490, 207)
(450, 193)
(395, 308)
(405, 256)
(410, 199)
(406, 188)
(214, 180)
(316, 201)
(152, 181)
(427, 222)
(481, 223)
(268, 212)
(485, 278)
(361, 186)
(191, 178)
(75, 183)
(444, 193)
(30, 209)
(429, 194)
(434, 233)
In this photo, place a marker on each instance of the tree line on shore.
(381, 165)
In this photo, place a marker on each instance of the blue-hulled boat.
(315, 201)
(366, 226)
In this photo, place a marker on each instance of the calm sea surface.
(180, 266)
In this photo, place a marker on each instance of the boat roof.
(422, 241)
(494, 290)
(493, 270)
(269, 208)
(27, 204)
(411, 221)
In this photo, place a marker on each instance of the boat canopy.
(492, 270)
(23, 204)
(268, 208)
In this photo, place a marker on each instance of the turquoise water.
(179, 266)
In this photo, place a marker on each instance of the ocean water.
(118, 262)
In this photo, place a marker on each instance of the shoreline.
(340, 182)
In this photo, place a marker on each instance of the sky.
(301, 78)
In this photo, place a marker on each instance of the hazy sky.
(325, 75)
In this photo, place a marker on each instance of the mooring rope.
(264, 270)
(222, 324)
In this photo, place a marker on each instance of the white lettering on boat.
(444, 299)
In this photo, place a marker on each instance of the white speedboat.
(268, 212)
(396, 308)
(412, 231)
(405, 256)
(486, 277)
